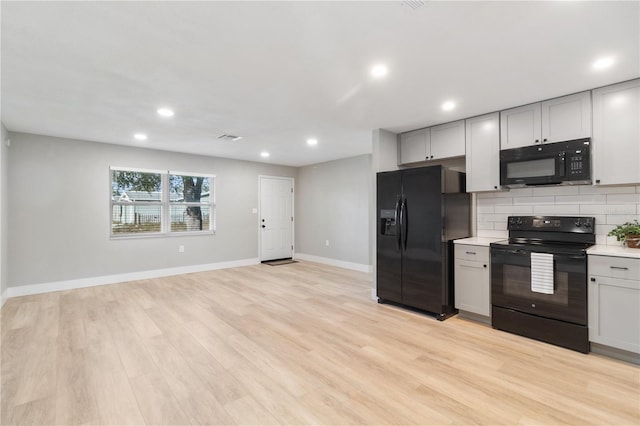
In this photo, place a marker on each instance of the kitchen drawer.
(616, 267)
(474, 253)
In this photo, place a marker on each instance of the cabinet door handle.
(544, 140)
(471, 252)
(484, 266)
(593, 280)
(622, 268)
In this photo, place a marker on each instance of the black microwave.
(560, 163)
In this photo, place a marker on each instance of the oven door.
(511, 285)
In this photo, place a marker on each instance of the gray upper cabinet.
(435, 143)
(482, 161)
(555, 120)
(566, 118)
(447, 140)
(616, 134)
(520, 126)
(413, 146)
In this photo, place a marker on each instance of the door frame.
(293, 214)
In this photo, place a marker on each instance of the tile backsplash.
(610, 206)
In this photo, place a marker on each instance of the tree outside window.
(160, 202)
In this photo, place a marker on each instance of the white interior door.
(276, 218)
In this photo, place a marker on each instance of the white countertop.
(619, 251)
(479, 241)
(598, 249)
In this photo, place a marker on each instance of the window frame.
(165, 204)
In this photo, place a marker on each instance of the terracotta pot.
(633, 241)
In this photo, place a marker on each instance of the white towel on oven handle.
(542, 273)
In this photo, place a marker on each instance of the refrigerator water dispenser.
(388, 222)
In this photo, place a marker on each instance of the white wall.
(4, 174)
(609, 205)
(332, 203)
(59, 211)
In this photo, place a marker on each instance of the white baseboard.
(26, 290)
(3, 297)
(334, 262)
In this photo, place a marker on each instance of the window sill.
(160, 235)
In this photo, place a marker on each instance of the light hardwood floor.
(293, 344)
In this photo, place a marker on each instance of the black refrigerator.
(420, 212)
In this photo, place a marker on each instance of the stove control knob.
(578, 223)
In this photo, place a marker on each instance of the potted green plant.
(628, 232)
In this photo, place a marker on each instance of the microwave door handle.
(562, 166)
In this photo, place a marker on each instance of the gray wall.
(4, 174)
(332, 203)
(59, 216)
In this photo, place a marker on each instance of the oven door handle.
(512, 251)
(526, 252)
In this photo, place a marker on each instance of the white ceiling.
(278, 73)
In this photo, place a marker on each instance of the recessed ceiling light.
(165, 112)
(140, 137)
(264, 154)
(379, 71)
(603, 63)
(312, 142)
(448, 106)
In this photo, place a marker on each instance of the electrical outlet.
(326, 243)
(180, 249)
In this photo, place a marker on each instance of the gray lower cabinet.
(614, 302)
(472, 291)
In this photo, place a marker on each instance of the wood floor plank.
(248, 411)
(295, 344)
(157, 402)
(75, 401)
(36, 412)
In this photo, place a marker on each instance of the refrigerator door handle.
(404, 220)
(398, 225)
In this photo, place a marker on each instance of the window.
(156, 202)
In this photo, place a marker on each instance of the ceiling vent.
(229, 138)
(413, 4)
